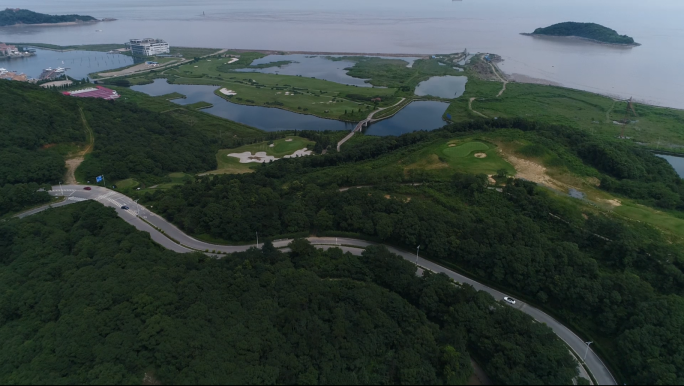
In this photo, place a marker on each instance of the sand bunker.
(288, 140)
(271, 145)
(247, 157)
(480, 155)
(225, 91)
(299, 153)
(261, 156)
(452, 145)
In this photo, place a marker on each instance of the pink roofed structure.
(96, 92)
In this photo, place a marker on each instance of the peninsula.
(16, 16)
(589, 31)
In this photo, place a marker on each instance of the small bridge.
(365, 123)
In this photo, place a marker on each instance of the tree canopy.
(23, 16)
(598, 273)
(86, 298)
(41, 127)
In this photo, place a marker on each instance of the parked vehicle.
(509, 300)
(87, 188)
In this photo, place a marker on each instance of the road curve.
(174, 239)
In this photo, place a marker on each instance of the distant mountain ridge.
(15, 16)
(591, 31)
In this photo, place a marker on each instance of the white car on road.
(509, 300)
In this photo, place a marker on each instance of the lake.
(447, 87)
(420, 115)
(407, 26)
(423, 115)
(676, 162)
(264, 118)
(309, 66)
(78, 63)
(319, 67)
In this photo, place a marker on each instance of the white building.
(148, 47)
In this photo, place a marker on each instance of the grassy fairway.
(662, 220)
(302, 95)
(395, 73)
(464, 150)
(446, 158)
(654, 126)
(281, 147)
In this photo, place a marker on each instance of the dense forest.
(134, 142)
(40, 127)
(604, 276)
(23, 16)
(585, 30)
(85, 298)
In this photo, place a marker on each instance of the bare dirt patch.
(72, 164)
(75, 161)
(614, 202)
(532, 171)
(480, 155)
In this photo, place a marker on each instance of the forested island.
(591, 31)
(16, 16)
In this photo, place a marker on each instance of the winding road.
(172, 238)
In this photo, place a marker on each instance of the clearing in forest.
(74, 161)
(469, 156)
(278, 149)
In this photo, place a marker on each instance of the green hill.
(591, 31)
(23, 16)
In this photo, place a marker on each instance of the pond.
(319, 67)
(264, 118)
(420, 115)
(447, 87)
(676, 162)
(78, 63)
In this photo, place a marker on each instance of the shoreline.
(321, 53)
(66, 23)
(582, 38)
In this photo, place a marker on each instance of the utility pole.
(587, 352)
(60, 187)
(257, 234)
(417, 250)
(137, 207)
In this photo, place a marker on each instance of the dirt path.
(74, 162)
(610, 111)
(470, 107)
(503, 80)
